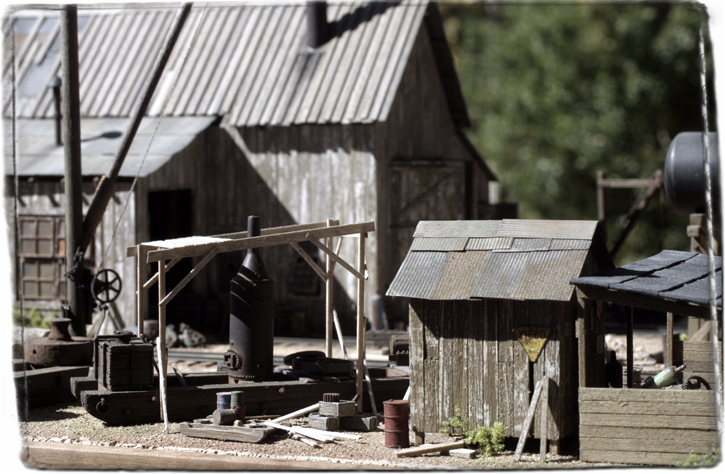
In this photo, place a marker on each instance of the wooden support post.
(581, 334)
(329, 282)
(140, 280)
(360, 320)
(670, 349)
(339, 334)
(529, 418)
(630, 344)
(162, 342)
(544, 419)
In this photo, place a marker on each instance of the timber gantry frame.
(167, 253)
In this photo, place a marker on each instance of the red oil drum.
(396, 414)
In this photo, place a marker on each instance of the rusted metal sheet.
(489, 243)
(547, 229)
(456, 244)
(246, 60)
(421, 272)
(546, 275)
(457, 229)
(458, 276)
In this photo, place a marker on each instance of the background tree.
(557, 92)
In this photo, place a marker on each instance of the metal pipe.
(73, 176)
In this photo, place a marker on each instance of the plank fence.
(640, 426)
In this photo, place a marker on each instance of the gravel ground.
(72, 425)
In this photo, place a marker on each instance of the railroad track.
(216, 357)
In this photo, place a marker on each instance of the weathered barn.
(250, 118)
(678, 422)
(478, 290)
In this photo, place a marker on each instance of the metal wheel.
(106, 286)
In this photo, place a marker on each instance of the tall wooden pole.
(73, 178)
(329, 286)
(360, 320)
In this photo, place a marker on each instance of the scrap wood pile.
(229, 423)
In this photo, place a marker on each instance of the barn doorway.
(170, 217)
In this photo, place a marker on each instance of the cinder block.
(339, 409)
(463, 453)
(320, 422)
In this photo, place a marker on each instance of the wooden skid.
(660, 427)
(83, 384)
(46, 386)
(184, 403)
(225, 433)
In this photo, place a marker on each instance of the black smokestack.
(317, 26)
(251, 321)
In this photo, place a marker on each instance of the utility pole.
(77, 304)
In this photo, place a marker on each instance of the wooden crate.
(123, 364)
(641, 426)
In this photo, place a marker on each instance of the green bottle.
(666, 378)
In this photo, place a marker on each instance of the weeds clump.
(486, 440)
(695, 460)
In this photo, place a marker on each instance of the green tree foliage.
(557, 92)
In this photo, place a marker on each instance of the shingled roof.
(247, 61)
(507, 259)
(671, 281)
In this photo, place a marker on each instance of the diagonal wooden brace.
(309, 260)
(155, 278)
(339, 260)
(188, 277)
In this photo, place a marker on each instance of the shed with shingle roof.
(249, 119)
(473, 288)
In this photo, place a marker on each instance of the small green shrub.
(695, 460)
(683, 337)
(485, 440)
(456, 426)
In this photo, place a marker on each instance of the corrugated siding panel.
(439, 244)
(458, 276)
(246, 60)
(418, 275)
(547, 229)
(489, 243)
(500, 275)
(457, 229)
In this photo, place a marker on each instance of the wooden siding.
(419, 128)
(698, 357)
(464, 354)
(660, 427)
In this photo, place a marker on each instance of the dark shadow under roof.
(671, 281)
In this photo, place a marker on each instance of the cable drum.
(685, 173)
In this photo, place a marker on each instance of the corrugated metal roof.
(38, 154)
(536, 265)
(422, 270)
(457, 229)
(669, 275)
(247, 61)
(547, 229)
(458, 276)
(487, 243)
(456, 244)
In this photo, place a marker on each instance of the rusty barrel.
(396, 414)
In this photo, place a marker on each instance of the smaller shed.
(671, 424)
(492, 313)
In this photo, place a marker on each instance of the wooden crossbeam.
(197, 250)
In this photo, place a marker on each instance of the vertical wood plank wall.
(464, 354)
